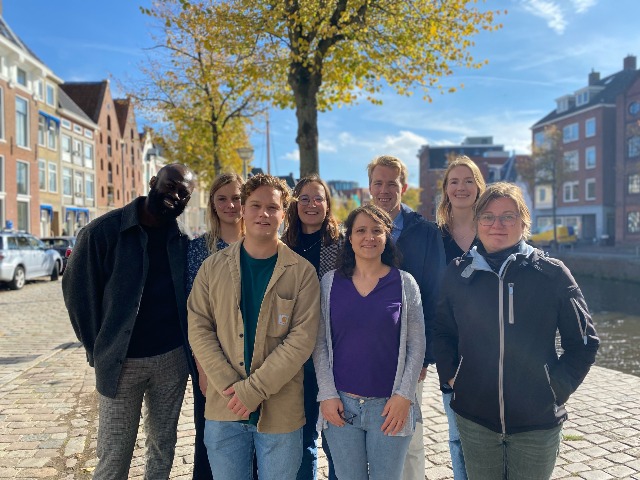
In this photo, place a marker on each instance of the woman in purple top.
(369, 352)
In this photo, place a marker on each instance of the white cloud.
(327, 146)
(293, 156)
(549, 11)
(582, 6)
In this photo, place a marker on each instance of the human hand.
(332, 410)
(235, 405)
(396, 410)
(423, 374)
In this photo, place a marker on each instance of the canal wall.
(602, 263)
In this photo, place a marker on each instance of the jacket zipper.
(577, 310)
(511, 319)
(501, 362)
(457, 370)
(555, 398)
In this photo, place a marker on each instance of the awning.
(48, 209)
(50, 117)
(78, 212)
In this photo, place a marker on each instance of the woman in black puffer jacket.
(500, 307)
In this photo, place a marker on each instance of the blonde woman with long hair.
(462, 185)
(226, 226)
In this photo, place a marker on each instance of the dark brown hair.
(347, 259)
(330, 228)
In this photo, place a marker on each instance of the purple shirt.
(365, 333)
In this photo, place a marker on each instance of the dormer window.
(582, 98)
(563, 103)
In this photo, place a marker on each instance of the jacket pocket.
(280, 321)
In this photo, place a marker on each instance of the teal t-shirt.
(255, 274)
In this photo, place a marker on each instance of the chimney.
(594, 77)
(629, 63)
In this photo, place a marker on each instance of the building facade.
(601, 153)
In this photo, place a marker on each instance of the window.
(42, 175)
(53, 135)
(109, 173)
(77, 183)
(21, 77)
(634, 146)
(22, 177)
(1, 113)
(67, 188)
(571, 161)
(542, 195)
(582, 98)
(1, 180)
(590, 127)
(77, 129)
(570, 191)
(66, 124)
(88, 133)
(23, 215)
(88, 185)
(633, 183)
(88, 155)
(590, 157)
(590, 189)
(66, 147)
(109, 151)
(570, 133)
(53, 177)
(51, 95)
(77, 152)
(22, 122)
(42, 131)
(39, 88)
(633, 222)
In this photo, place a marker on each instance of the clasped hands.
(396, 411)
(235, 404)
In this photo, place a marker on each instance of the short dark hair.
(347, 259)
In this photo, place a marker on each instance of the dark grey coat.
(102, 287)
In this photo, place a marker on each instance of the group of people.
(327, 330)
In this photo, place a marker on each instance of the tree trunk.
(305, 86)
(215, 140)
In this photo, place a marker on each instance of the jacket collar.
(286, 256)
(474, 261)
(130, 219)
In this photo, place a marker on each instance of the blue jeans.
(455, 447)
(361, 451)
(520, 456)
(231, 446)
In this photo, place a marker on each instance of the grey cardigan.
(410, 355)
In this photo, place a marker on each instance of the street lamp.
(246, 154)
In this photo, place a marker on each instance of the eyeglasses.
(348, 417)
(306, 199)
(488, 219)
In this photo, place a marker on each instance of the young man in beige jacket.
(253, 319)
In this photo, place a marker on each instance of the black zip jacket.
(422, 255)
(496, 336)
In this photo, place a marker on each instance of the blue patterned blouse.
(197, 252)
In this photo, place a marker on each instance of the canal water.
(615, 307)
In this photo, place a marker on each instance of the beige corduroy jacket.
(285, 337)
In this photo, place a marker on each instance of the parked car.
(24, 257)
(544, 238)
(62, 245)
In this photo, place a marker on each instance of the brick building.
(600, 192)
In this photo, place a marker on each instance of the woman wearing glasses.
(461, 187)
(369, 352)
(313, 233)
(495, 341)
(225, 227)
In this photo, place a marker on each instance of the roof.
(9, 34)
(122, 106)
(65, 103)
(614, 85)
(89, 96)
(438, 156)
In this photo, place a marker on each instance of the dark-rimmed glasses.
(348, 417)
(305, 200)
(488, 219)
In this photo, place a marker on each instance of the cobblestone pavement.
(48, 415)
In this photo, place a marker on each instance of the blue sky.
(545, 50)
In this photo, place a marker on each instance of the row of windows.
(572, 159)
(81, 153)
(633, 222)
(571, 133)
(77, 183)
(571, 190)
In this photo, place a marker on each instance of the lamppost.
(246, 154)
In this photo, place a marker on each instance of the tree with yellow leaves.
(196, 91)
(316, 54)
